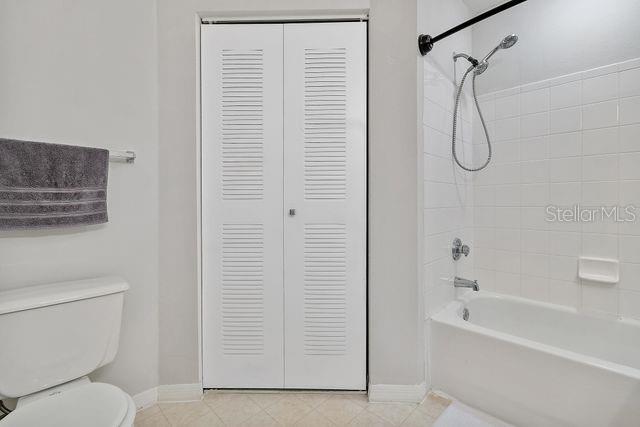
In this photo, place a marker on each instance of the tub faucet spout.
(459, 282)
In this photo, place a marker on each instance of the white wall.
(564, 134)
(448, 193)
(396, 350)
(395, 330)
(94, 73)
(562, 142)
(85, 73)
(557, 37)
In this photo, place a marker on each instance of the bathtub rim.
(451, 315)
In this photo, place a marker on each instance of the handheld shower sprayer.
(506, 43)
(478, 67)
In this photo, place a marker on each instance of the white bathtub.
(537, 364)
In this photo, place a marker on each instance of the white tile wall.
(564, 141)
(448, 198)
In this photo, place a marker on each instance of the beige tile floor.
(291, 409)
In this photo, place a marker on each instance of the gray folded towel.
(51, 185)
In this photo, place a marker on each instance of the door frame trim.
(287, 17)
(264, 17)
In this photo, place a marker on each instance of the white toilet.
(51, 337)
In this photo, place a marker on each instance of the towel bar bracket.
(122, 156)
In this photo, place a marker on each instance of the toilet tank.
(54, 333)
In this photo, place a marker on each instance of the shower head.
(506, 43)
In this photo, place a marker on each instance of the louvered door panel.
(242, 196)
(325, 123)
(242, 124)
(325, 182)
(242, 293)
(325, 289)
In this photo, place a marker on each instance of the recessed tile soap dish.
(599, 270)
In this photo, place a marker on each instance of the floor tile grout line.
(366, 408)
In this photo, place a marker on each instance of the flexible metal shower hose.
(455, 123)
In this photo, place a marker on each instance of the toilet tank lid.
(30, 297)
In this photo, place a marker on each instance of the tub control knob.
(458, 249)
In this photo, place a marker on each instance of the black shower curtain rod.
(426, 42)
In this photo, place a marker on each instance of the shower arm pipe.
(426, 42)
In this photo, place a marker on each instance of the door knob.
(292, 212)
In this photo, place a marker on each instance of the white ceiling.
(477, 6)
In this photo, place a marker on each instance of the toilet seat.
(92, 404)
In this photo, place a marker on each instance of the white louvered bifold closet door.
(242, 185)
(325, 182)
(284, 127)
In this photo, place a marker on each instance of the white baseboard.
(413, 393)
(168, 393)
(179, 392)
(146, 399)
